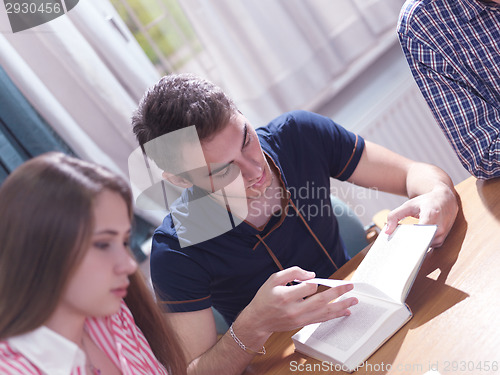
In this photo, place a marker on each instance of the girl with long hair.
(71, 298)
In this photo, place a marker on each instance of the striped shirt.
(453, 50)
(43, 351)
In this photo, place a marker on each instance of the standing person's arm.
(275, 307)
(466, 109)
(431, 192)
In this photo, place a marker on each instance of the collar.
(52, 353)
(195, 217)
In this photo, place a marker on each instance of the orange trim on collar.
(277, 225)
(270, 252)
(314, 236)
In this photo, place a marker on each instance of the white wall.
(384, 105)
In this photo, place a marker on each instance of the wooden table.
(455, 300)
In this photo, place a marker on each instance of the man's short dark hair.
(178, 101)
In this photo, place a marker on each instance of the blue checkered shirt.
(453, 49)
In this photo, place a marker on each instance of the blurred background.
(72, 84)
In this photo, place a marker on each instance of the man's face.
(233, 152)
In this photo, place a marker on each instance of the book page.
(392, 261)
(338, 339)
(359, 287)
(344, 333)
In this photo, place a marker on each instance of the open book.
(381, 284)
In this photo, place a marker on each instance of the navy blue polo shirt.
(226, 271)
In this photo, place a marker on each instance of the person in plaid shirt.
(453, 50)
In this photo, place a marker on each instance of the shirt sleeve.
(324, 143)
(181, 283)
(470, 122)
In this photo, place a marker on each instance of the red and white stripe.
(118, 336)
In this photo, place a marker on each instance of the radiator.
(402, 122)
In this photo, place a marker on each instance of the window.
(162, 30)
(270, 56)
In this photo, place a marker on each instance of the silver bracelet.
(243, 346)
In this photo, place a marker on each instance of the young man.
(453, 49)
(273, 184)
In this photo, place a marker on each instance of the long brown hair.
(46, 220)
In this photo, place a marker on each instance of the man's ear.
(176, 180)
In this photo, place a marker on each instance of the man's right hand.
(276, 307)
(281, 307)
